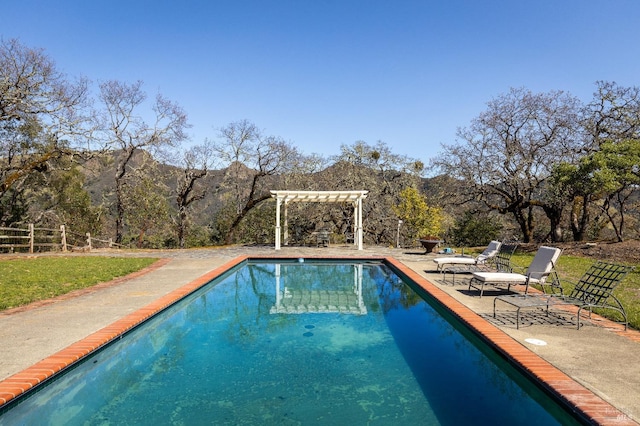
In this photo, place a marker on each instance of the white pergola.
(353, 197)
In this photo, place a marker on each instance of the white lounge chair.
(482, 258)
(501, 262)
(541, 266)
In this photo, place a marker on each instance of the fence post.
(110, 242)
(31, 237)
(63, 238)
(89, 240)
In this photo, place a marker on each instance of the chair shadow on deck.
(531, 318)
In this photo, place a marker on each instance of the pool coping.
(587, 405)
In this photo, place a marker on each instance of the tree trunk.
(120, 207)
(580, 217)
(119, 213)
(236, 222)
(524, 223)
(611, 212)
(182, 224)
(141, 238)
(554, 214)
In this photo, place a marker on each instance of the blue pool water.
(292, 343)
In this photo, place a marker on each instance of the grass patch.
(23, 281)
(571, 268)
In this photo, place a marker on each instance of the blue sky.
(322, 73)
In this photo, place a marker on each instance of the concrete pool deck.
(600, 357)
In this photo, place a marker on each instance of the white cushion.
(454, 260)
(491, 250)
(500, 277)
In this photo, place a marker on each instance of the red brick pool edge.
(585, 403)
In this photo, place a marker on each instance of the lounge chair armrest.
(561, 284)
(544, 283)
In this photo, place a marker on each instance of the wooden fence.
(34, 239)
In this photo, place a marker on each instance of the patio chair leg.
(472, 281)
(578, 317)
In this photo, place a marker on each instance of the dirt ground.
(624, 252)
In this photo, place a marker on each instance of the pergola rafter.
(353, 197)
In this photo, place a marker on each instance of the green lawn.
(571, 268)
(23, 281)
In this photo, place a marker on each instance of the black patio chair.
(323, 238)
(594, 290)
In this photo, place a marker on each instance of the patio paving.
(600, 356)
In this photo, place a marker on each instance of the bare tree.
(612, 121)
(41, 116)
(125, 131)
(238, 149)
(195, 165)
(613, 115)
(252, 158)
(146, 204)
(385, 175)
(505, 156)
(595, 182)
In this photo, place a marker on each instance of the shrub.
(474, 229)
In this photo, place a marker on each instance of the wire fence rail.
(34, 239)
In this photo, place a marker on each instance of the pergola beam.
(353, 197)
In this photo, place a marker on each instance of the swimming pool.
(293, 342)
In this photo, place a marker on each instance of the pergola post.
(355, 223)
(359, 223)
(277, 223)
(286, 224)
